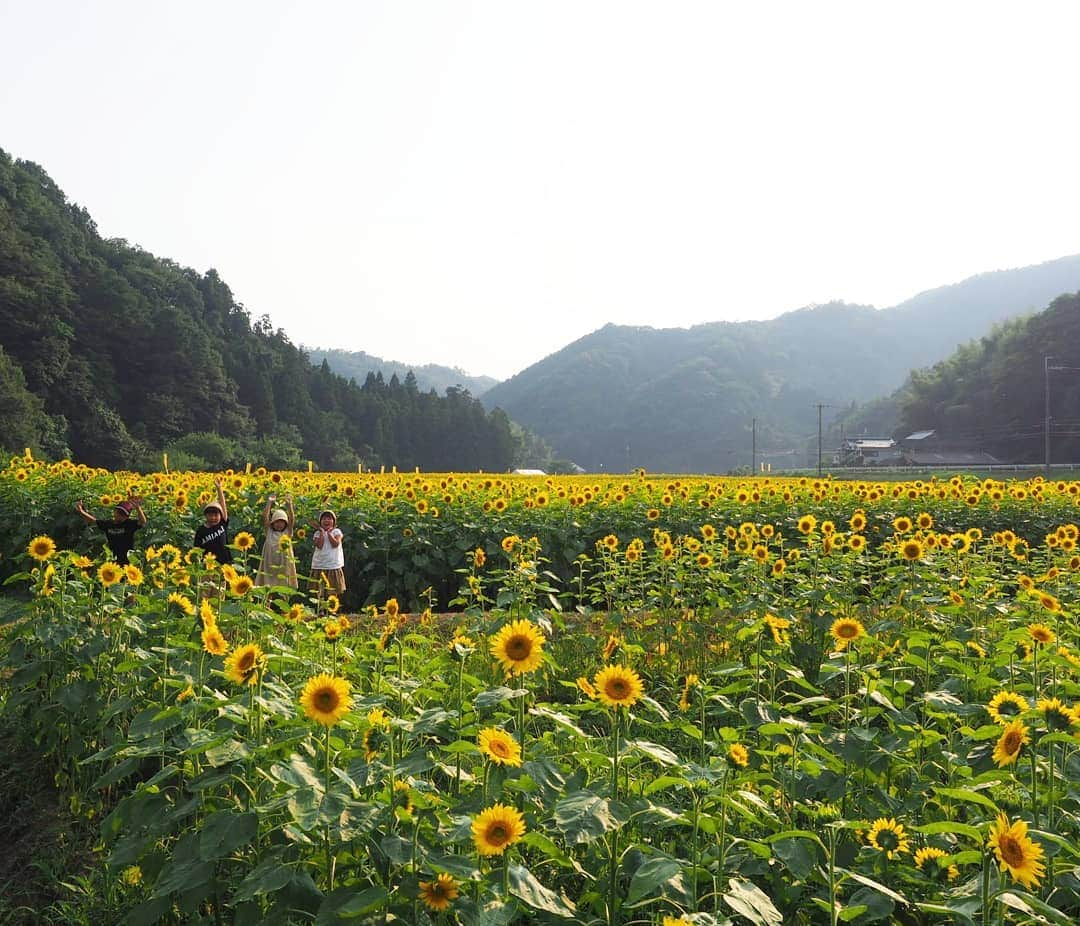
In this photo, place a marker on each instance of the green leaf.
(798, 854)
(532, 893)
(497, 696)
(348, 903)
(224, 753)
(657, 753)
(223, 833)
(652, 874)
(747, 899)
(584, 816)
(1034, 907)
(876, 885)
(948, 826)
(265, 878)
(971, 797)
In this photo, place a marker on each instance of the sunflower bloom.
(134, 575)
(1006, 705)
(586, 687)
(183, 604)
(888, 836)
(243, 541)
(845, 630)
(518, 647)
(738, 755)
(244, 664)
(41, 548)
(1007, 750)
(326, 699)
(618, 686)
(110, 574)
(929, 854)
(1040, 633)
(241, 585)
(439, 894)
(1016, 852)
(911, 549)
(499, 746)
(496, 829)
(213, 642)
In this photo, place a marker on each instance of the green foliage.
(425, 377)
(122, 354)
(992, 392)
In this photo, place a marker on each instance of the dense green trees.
(991, 393)
(119, 355)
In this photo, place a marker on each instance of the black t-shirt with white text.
(119, 535)
(215, 540)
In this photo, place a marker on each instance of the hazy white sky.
(479, 183)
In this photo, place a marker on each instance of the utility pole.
(820, 406)
(1047, 367)
(753, 447)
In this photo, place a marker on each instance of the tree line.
(112, 356)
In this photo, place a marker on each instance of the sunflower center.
(497, 834)
(1011, 742)
(1012, 853)
(887, 840)
(499, 748)
(846, 631)
(326, 700)
(617, 689)
(518, 648)
(246, 661)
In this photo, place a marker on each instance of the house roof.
(920, 435)
(872, 443)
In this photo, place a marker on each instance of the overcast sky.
(478, 184)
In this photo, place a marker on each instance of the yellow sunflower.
(1006, 705)
(676, 921)
(183, 604)
(439, 894)
(244, 664)
(109, 574)
(518, 647)
(241, 585)
(134, 575)
(845, 630)
(738, 754)
(1016, 852)
(41, 548)
(929, 854)
(496, 829)
(213, 642)
(1057, 714)
(586, 687)
(618, 686)
(243, 541)
(326, 699)
(499, 746)
(911, 549)
(1040, 633)
(1007, 750)
(889, 837)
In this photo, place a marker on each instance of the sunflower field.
(620, 700)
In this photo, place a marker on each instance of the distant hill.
(114, 355)
(683, 400)
(357, 364)
(991, 394)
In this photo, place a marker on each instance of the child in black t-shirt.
(213, 536)
(120, 530)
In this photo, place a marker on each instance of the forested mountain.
(992, 393)
(683, 400)
(114, 355)
(356, 364)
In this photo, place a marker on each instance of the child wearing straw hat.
(278, 566)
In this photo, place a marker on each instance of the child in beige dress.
(278, 565)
